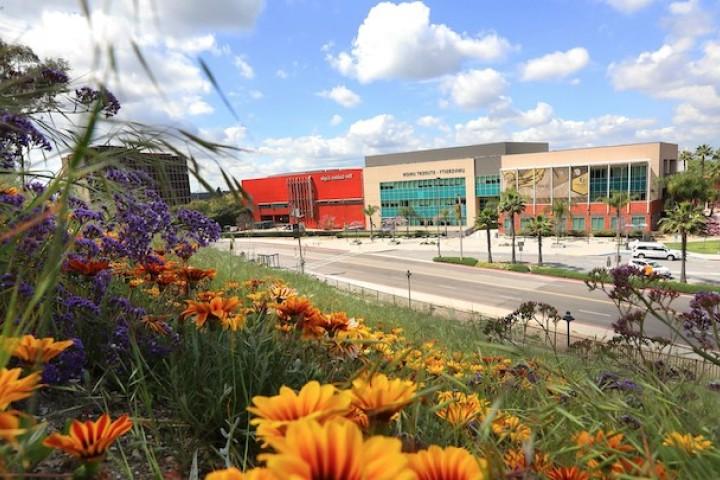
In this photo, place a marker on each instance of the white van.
(654, 250)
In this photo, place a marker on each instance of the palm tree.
(560, 211)
(538, 227)
(371, 210)
(458, 218)
(487, 219)
(443, 216)
(407, 213)
(701, 152)
(684, 219)
(686, 157)
(618, 201)
(511, 203)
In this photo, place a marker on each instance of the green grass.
(687, 288)
(708, 247)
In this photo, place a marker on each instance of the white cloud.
(256, 94)
(245, 69)
(281, 74)
(336, 120)
(198, 106)
(541, 114)
(555, 65)
(628, 6)
(605, 129)
(688, 20)
(429, 121)
(474, 88)
(342, 96)
(398, 41)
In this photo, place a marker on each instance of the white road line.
(594, 313)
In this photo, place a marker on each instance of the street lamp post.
(298, 233)
(568, 318)
(408, 274)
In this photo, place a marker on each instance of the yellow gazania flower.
(516, 461)
(313, 401)
(90, 440)
(688, 443)
(462, 408)
(10, 426)
(233, 322)
(14, 388)
(336, 451)
(509, 426)
(567, 473)
(381, 398)
(232, 285)
(235, 474)
(450, 463)
(42, 350)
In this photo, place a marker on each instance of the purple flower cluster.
(612, 381)
(17, 133)
(139, 220)
(109, 103)
(703, 319)
(68, 366)
(54, 76)
(198, 227)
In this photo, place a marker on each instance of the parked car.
(648, 266)
(655, 251)
(639, 243)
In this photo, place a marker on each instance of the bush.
(511, 267)
(469, 261)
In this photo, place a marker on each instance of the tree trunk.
(371, 230)
(487, 231)
(512, 234)
(683, 277)
(540, 261)
(460, 232)
(407, 227)
(617, 237)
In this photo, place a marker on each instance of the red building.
(324, 198)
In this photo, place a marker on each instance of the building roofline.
(305, 172)
(450, 149)
(603, 146)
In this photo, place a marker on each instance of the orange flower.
(221, 307)
(193, 275)
(336, 322)
(516, 461)
(42, 350)
(380, 397)
(89, 268)
(336, 451)
(315, 401)
(90, 440)
(603, 451)
(461, 408)
(509, 426)
(233, 322)
(156, 323)
(235, 474)
(294, 308)
(14, 388)
(10, 426)
(450, 463)
(567, 473)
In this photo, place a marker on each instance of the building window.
(638, 182)
(618, 178)
(524, 223)
(638, 221)
(487, 186)
(578, 224)
(427, 198)
(613, 224)
(598, 223)
(508, 224)
(598, 183)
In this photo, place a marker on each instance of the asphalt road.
(494, 289)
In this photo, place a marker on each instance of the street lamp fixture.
(568, 318)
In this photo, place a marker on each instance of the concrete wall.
(470, 151)
(420, 171)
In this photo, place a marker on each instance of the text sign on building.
(434, 172)
(330, 178)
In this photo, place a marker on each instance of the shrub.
(470, 261)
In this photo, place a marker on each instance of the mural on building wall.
(509, 180)
(561, 180)
(579, 184)
(543, 177)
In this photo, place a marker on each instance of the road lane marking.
(594, 313)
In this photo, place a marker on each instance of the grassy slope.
(659, 407)
(710, 246)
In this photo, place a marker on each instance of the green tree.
(407, 213)
(371, 210)
(702, 152)
(511, 203)
(688, 186)
(538, 227)
(684, 219)
(560, 211)
(487, 220)
(617, 201)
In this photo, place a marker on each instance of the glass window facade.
(598, 183)
(426, 198)
(638, 221)
(638, 182)
(597, 223)
(487, 186)
(618, 178)
(578, 224)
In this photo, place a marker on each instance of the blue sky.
(318, 84)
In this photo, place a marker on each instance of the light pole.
(408, 274)
(458, 216)
(298, 233)
(568, 318)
